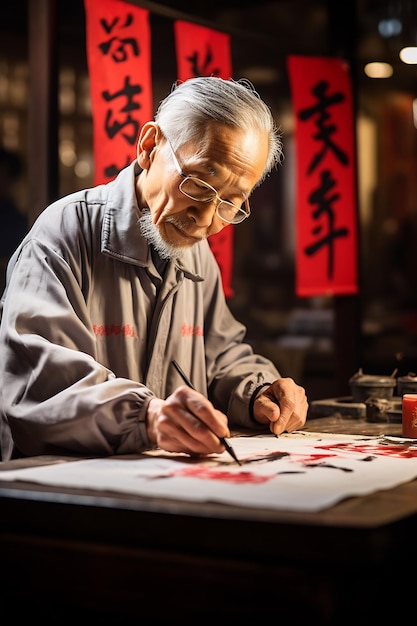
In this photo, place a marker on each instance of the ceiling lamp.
(409, 55)
(377, 69)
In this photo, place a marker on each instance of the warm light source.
(409, 55)
(415, 112)
(378, 69)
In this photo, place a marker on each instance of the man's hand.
(186, 422)
(283, 405)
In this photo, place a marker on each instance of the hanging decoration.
(119, 63)
(326, 204)
(202, 51)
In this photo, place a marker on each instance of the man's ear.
(149, 136)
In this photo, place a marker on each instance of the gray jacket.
(89, 329)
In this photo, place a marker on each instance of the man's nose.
(203, 213)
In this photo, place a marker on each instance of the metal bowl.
(365, 386)
(407, 384)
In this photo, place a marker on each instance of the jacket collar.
(121, 236)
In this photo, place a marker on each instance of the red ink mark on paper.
(395, 451)
(312, 459)
(225, 476)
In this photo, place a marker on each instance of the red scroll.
(119, 62)
(202, 51)
(326, 222)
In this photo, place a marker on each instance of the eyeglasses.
(199, 190)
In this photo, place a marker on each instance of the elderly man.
(114, 283)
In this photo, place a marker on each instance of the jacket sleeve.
(234, 371)
(54, 395)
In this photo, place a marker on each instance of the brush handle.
(190, 384)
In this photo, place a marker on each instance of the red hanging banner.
(326, 222)
(119, 63)
(202, 51)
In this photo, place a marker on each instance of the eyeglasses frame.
(216, 195)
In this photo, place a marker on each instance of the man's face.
(230, 160)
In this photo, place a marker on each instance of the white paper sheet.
(298, 472)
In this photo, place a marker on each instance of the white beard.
(151, 233)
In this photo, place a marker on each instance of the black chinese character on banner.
(201, 67)
(112, 170)
(118, 47)
(114, 126)
(322, 197)
(325, 130)
(324, 202)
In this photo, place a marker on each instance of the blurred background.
(319, 341)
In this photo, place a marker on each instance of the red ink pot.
(409, 415)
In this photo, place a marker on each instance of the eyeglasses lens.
(202, 192)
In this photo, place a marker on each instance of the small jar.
(409, 415)
(370, 386)
(407, 384)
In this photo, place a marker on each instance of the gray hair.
(184, 114)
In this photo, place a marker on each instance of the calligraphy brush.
(222, 439)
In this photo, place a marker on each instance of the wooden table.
(68, 555)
